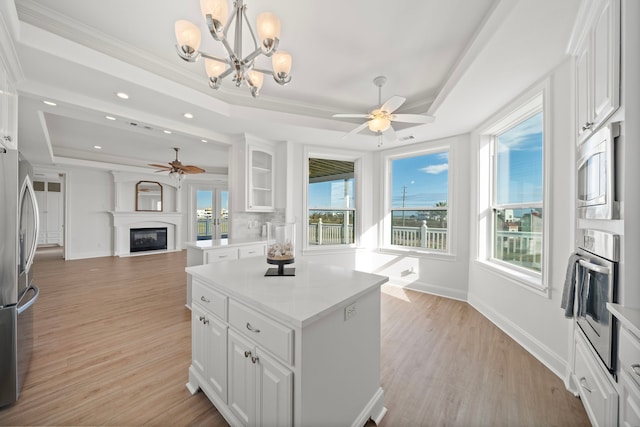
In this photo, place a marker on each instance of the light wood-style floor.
(112, 347)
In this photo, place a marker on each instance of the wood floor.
(112, 347)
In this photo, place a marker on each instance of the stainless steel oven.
(595, 277)
(596, 175)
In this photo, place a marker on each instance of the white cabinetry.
(598, 68)
(596, 389)
(292, 358)
(260, 179)
(253, 175)
(629, 378)
(8, 112)
(209, 349)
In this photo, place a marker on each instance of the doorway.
(49, 195)
(211, 213)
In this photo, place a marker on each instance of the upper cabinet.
(598, 68)
(252, 175)
(8, 112)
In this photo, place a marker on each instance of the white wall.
(90, 198)
(531, 318)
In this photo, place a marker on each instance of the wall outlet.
(349, 311)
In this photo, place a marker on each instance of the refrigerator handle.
(36, 293)
(28, 191)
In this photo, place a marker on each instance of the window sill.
(444, 256)
(531, 282)
(329, 249)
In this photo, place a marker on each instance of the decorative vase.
(281, 240)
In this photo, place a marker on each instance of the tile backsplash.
(248, 225)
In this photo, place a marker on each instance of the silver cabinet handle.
(636, 369)
(203, 299)
(255, 359)
(587, 125)
(252, 329)
(201, 318)
(222, 256)
(583, 383)
(7, 138)
(247, 353)
(204, 320)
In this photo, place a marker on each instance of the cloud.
(435, 169)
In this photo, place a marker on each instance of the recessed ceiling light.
(97, 147)
(188, 115)
(53, 104)
(167, 131)
(204, 140)
(122, 95)
(109, 118)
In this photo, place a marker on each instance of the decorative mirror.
(148, 196)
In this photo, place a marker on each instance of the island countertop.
(221, 243)
(299, 300)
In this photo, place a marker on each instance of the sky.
(420, 181)
(519, 163)
(204, 199)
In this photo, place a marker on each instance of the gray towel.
(569, 292)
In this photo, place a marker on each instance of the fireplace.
(147, 239)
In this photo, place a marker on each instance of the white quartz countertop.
(314, 291)
(221, 243)
(630, 317)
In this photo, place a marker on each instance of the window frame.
(534, 101)
(357, 196)
(407, 152)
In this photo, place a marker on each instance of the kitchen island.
(299, 350)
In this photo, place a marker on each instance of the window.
(331, 202)
(419, 201)
(518, 214)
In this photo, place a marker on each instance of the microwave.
(595, 169)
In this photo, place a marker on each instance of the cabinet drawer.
(220, 255)
(630, 355)
(211, 300)
(598, 394)
(251, 251)
(267, 333)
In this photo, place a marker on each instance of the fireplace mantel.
(124, 221)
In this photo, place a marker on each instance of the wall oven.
(596, 271)
(596, 175)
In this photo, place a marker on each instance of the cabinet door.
(242, 379)
(216, 354)
(198, 340)
(606, 60)
(629, 402)
(582, 91)
(274, 392)
(260, 184)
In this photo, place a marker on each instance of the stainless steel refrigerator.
(18, 239)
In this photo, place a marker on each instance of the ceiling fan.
(176, 168)
(380, 118)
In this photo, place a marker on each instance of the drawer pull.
(203, 299)
(636, 369)
(583, 383)
(222, 256)
(252, 329)
(247, 353)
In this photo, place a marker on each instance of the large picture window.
(331, 202)
(419, 201)
(517, 206)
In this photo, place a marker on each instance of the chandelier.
(241, 68)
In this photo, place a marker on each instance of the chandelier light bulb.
(256, 78)
(218, 9)
(268, 25)
(281, 62)
(214, 68)
(187, 36)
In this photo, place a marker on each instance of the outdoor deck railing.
(204, 228)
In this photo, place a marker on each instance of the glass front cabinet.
(260, 179)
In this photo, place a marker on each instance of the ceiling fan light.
(268, 25)
(379, 124)
(187, 36)
(219, 11)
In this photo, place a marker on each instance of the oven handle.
(594, 267)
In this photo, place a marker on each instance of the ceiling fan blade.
(163, 167)
(412, 118)
(357, 116)
(356, 130)
(393, 104)
(191, 169)
(390, 135)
